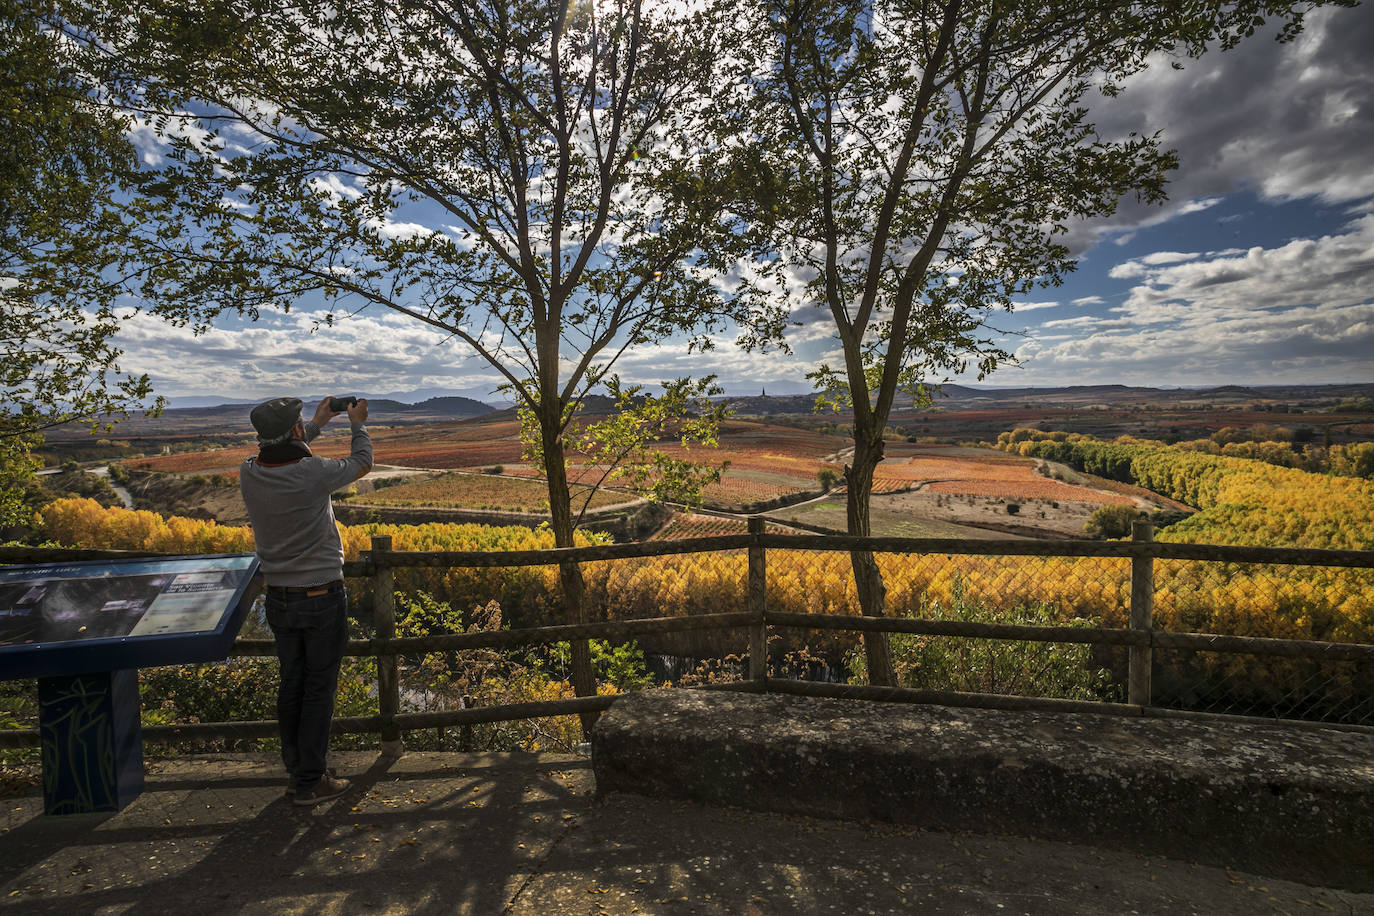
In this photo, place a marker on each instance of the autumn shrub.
(1313, 603)
(1111, 522)
(239, 689)
(1015, 667)
(1240, 500)
(492, 677)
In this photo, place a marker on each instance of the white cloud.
(1033, 306)
(400, 230)
(1197, 206)
(335, 187)
(292, 352)
(1290, 121)
(1327, 272)
(1299, 312)
(1166, 257)
(1128, 269)
(1089, 300)
(1139, 267)
(1083, 321)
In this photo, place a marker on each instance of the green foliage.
(917, 166)
(67, 174)
(826, 477)
(1111, 522)
(119, 474)
(490, 677)
(1033, 669)
(241, 689)
(238, 688)
(421, 614)
(18, 709)
(569, 150)
(623, 444)
(17, 466)
(621, 665)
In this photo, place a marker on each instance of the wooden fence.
(1140, 638)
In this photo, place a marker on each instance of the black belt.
(321, 589)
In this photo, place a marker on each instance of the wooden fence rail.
(1141, 638)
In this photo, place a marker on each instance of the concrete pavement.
(525, 834)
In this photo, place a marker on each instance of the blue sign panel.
(76, 618)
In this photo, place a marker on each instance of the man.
(286, 490)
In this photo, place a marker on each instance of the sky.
(1259, 269)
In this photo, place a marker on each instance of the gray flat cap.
(275, 419)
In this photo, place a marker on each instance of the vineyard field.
(450, 446)
(888, 518)
(1335, 604)
(482, 491)
(685, 525)
(976, 475)
(1241, 500)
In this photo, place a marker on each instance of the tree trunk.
(570, 573)
(868, 578)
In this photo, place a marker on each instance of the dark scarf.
(284, 452)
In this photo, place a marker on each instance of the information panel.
(105, 615)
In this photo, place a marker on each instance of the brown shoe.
(329, 787)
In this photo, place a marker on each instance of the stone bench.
(1269, 799)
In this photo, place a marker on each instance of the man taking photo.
(286, 490)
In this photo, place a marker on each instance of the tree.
(65, 164)
(1111, 522)
(556, 153)
(924, 159)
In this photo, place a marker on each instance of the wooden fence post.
(1142, 615)
(384, 627)
(758, 600)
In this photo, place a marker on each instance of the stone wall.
(1282, 801)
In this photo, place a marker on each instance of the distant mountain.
(967, 397)
(771, 405)
(202, 420)
(414, 398)
(383, 410)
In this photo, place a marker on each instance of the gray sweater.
(293, 520)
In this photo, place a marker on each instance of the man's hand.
(357, 413)
(323, 414)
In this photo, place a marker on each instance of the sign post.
(83, 629)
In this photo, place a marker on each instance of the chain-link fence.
(1033, 595)
(1305, 603)
(1016, 591)
(1225, 630)
(1265, 601)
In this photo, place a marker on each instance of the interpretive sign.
(105, 615)
(82, 629)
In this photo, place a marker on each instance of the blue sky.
(1259, 269)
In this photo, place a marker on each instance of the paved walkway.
(524, 835)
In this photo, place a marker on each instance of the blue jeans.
(311, 634)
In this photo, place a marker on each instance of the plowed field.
(992, 476)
